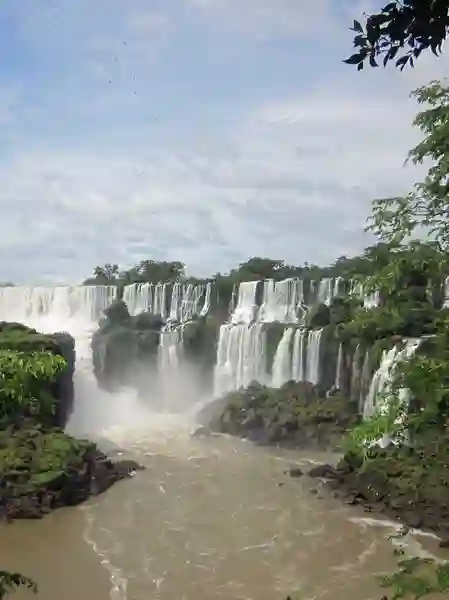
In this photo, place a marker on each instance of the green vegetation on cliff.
(297, 415)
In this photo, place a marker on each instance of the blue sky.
(206, 131)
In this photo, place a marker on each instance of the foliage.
(147, 271)
(296, 414)
(400, 32)
(31, 458)
(10, 581)
(426, 207)
(24, 383)
(417, 578)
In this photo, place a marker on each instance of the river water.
(213, 518)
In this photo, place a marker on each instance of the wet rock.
(444, 543)
(323, 472)
(409, 484)
(41, 471)
(295, 472)
(297, 415)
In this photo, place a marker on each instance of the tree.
(108, 272)
(426, 207)
(400, 32)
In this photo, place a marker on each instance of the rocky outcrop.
(44, 470)
(408, 484)
(296, 415)
(19, 337)
(124, 347)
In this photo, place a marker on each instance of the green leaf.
(357, 27)
(354, 59)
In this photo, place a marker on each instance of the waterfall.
(75, 309)
(378, 395)
(313, 356)
(325, 291)
(365, 379)
(299, 353)
(246, 309)
(339, 369)
(280, 300)
(282, 364)
(241, 357)
(138, 297)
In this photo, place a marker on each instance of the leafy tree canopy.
(400, 32)
(425, 209)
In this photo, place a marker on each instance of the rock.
(406, 483)
(323, 472)
(297, 415)
(295, 472)
(41, 471)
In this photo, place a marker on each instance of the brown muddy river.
(209, 519)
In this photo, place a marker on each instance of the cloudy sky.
(206, 131)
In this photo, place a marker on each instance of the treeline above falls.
(329, 332)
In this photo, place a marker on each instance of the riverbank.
(407, 484)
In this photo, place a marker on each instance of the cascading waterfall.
(280, 301)
(241, 357)
(325, 291)
(313, 356)
(299, 354)
(246, 308)
(365, 379)
(339, 369)
(282, 364)
(378, 396)
(75, 309)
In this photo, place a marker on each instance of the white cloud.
(290, 176)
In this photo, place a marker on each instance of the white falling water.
(241, 357)
(246, 308)
(364, 380)
(378, 396)
(325, 291)
(76, 310)
(189, 301)
(299, 354)
(371, 300)
(138, 297)
(282, 363)
(280, 301)
(339, 370)
(313, 356)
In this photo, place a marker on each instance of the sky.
(206, 131)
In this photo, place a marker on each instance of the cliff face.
(15, 336)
